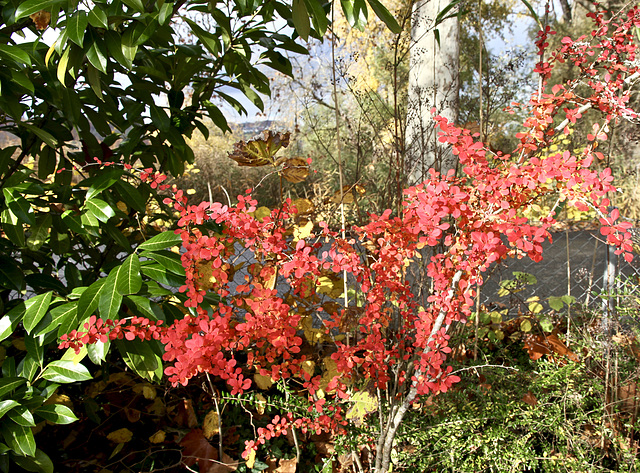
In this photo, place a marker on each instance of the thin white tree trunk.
(433, 82)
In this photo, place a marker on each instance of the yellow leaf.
(148, 391)
(309, 367)
(123, 435)
(158, 437)
(263, 382)
(191, 191)
(260, 213)
(364, 403)
(251, 459)
(525, 326)
(210, 425)
(496, 317)
(304, 206)
(535, 307)
(122, 206)
(302, 232)
(261, 403)
(332, 286)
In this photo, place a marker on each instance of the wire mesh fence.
(575, 263)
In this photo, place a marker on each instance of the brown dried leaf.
(259, 152)
(133, 415)
(295, 169)
(287, 466)
(158, 437)
(123, 435)
(41, 19)
(227, 465)
(530, 399)
(196, 448)
(304, 206)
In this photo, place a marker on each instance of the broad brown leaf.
(295, 170)
(197, 449)
(41, 19)
(259, 152)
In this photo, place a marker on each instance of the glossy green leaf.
(98, 351)
(141, 358)
(8, 384)
(39, 232)
(387, 18)
(161, 241)
(142, 306)
(300, 18)
(39, 463)
(19, 206)
(90, 298)
(98, 18)
(157, 273)
(166, 12)
(136, 5)
(44, 135)
(56, 413)
(76, 26)
(11, 319)
(21, 416)
(168, 260)
(22, 80)
(34, 6)
(97, 56)
(7, 405)
(63, 371)
(36, 308)
(19, 438)
(103, 182)
(60, 315)
(110, 299)
(128, 279)
(15, 53)
(99, 209)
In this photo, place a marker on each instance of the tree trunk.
(433, 82)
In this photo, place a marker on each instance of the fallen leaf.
(123, 435)
(158, 437)
(287, 466)
(133, 415)
(210, 424)
(197, 449)
(227, 465)
(251, 459)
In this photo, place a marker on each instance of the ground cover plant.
(330, 321)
